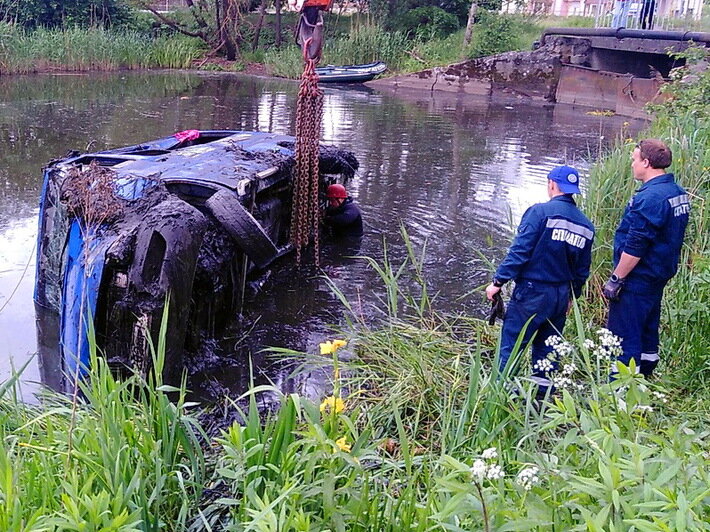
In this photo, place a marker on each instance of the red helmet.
(336, 191)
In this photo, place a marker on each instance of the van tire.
(225, 206)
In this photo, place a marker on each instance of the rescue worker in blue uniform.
(549, 261)
(342, 215)
(647, 248)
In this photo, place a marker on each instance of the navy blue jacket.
(553, 245)
(653, 228)
(344, 220)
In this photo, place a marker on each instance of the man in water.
(342, 215)
(647, 247)
(549, 261)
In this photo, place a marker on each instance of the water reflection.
(456, 171)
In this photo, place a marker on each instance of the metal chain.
(305, 214)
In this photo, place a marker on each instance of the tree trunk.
(469, 24)
(277, 5)
(259, 24)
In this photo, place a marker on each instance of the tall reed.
(77, 49)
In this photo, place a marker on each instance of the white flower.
(589, 344)
(528, 477)
(569, 368)
(490, 453)
(608, 339)
(543, 365)
(662, 397)
(563, 349)
(560, 381)
(479, 469)
(495, 472)
(553, 341)
(644, 408)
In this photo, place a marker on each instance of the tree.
(469, 24)
(216, 22)
(55, 14)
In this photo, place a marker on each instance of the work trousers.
(545, 305)
(635, 318)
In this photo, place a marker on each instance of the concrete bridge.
(613, 69)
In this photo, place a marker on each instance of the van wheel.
(242, 227)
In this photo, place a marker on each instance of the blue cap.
(566, 177)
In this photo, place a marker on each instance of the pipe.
(623, 33)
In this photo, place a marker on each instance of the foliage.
(389, 12)
(78, 49)
(123, 458)
(365, 44)
(428, 22)
(493, 34)
(64, 14)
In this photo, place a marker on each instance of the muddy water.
(455, 171)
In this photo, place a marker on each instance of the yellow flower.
(328, 348)
(332, 403)
(344, 446)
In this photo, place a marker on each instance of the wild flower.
(662, 397)
(528, 477)
(329, 348)
(495, 472)
(563, 349)
(608, 338)
(552, 341)
(332, 403)
(589, 344)
(490, 453)
(569, 369)
(479, 469)
(343, 445)
(644, 409)
(543, 364)
(560, 381)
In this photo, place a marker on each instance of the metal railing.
(647, 14)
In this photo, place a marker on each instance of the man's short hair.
(658, 154)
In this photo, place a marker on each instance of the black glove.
(612, 288)
(497, 309)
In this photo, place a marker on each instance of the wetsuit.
(549, 260)
(653, 228)
(344, 220)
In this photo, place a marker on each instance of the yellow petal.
(342, 444)
(326, 348)
(337, 344)
(332, 403)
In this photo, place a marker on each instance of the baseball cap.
(566, 177)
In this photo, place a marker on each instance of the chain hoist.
(305, 214)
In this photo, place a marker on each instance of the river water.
(456, 171)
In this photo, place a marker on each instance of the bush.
(493, 34)
(428, 22)
(84, 13)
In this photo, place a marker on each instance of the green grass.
(78, 49)
(423, 406)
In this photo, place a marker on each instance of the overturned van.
(185, 219)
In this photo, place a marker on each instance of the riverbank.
(74, 49)
(410, 447)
